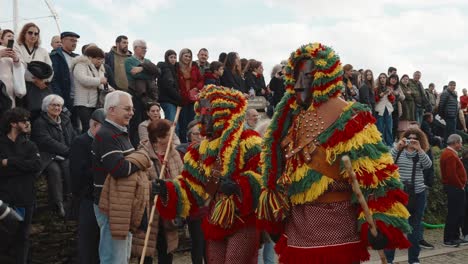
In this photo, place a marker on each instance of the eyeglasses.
(127, 108)
(416, 138)
(56, 105)
(143, 48)
(33, 33)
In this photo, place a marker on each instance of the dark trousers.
(465, 217)
(198, 241)
(84, 115)
(88, 234)
(139, 116)
(15, 246)
(58, 180)
(187, 114)
(450, 127)
(161, 246)
(455, 212)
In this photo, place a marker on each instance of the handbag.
(19, 84)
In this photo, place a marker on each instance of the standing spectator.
(190, 84)
(115, 59)
(384, 108)
(410, 156)
(168, 85)
(232, 77)
(222, 57)
(9, 62)
(422, 103)
(276, 84)
(37, 86)
(464, 102)
(55, 42)
(366, 91)
(89, 81)
(408, 106)
(454, 180)
(109, 149)
(465, 221)
(448, 109)
(251, 119)
(202, 62)
(53, 133)
(141, 75)
(167, 238)
(393, 85)
(214, 75)
(351, 92)
(82, 181)
(254, 78)
(20, 164)
(433, 97)
(391, 70)
(61, 61)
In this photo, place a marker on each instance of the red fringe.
(193, 203)
(396, 238)
(245, 203)
(326, 85)
(270, 227)
(382, 204)
(352, 127)
(342, 254)
(367, 178)
(170, 211)
(214, 232)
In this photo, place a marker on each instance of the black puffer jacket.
(52, 138)
(168, 85)
(17, 178)
(448, 106)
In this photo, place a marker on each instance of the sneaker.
(462, 242)
(424, 244)
(451, 243)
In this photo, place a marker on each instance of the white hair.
(113, 99)
(139, 43)
(453, 139)
(50, 99)
(262, 126)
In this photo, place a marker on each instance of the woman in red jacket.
(190, 84)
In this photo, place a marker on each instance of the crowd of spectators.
(90, 112)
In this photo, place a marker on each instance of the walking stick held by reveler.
(163, 167)
(362, 201)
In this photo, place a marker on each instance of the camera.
(408, 141)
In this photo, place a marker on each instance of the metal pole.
(15, 16)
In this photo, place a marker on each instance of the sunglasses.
(33, 33)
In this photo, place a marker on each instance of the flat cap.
(69, 34)
(98, 115)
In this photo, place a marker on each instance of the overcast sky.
(426, 35)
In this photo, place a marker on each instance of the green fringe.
(373, 151)
(255, 186)
(179, 195)
(305, 183)
(398, 222)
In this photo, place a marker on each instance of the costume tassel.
(273, 206)
(223, 212)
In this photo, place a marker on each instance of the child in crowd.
(216, 71)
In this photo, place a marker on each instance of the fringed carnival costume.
(307, 196)
(224, 169)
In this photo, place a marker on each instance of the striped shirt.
(405, 167)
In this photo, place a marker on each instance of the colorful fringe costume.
(306, 195)
(229, 227)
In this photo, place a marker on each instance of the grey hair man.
(109, 149)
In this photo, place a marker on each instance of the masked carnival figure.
(307, 196)
(223, 171)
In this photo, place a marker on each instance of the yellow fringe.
(224, 212)
(329, 75)
(198, 189)
(272, 206)
(185, 203)
(327, 90)
(247, 144)
(397, 210)
(317, 189)
(369, 135)
(297, 174)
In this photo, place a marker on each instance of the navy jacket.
(81, 171)
(61, 82)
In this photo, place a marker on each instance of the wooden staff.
(362, 201)
(163, 167)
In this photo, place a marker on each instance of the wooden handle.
(362, 201)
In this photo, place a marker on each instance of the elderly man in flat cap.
(61, 61)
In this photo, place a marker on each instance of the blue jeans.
(385, 125)
(111, 251)
(266, 254)
(169, 113)
(415, 222)
(419, 114)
